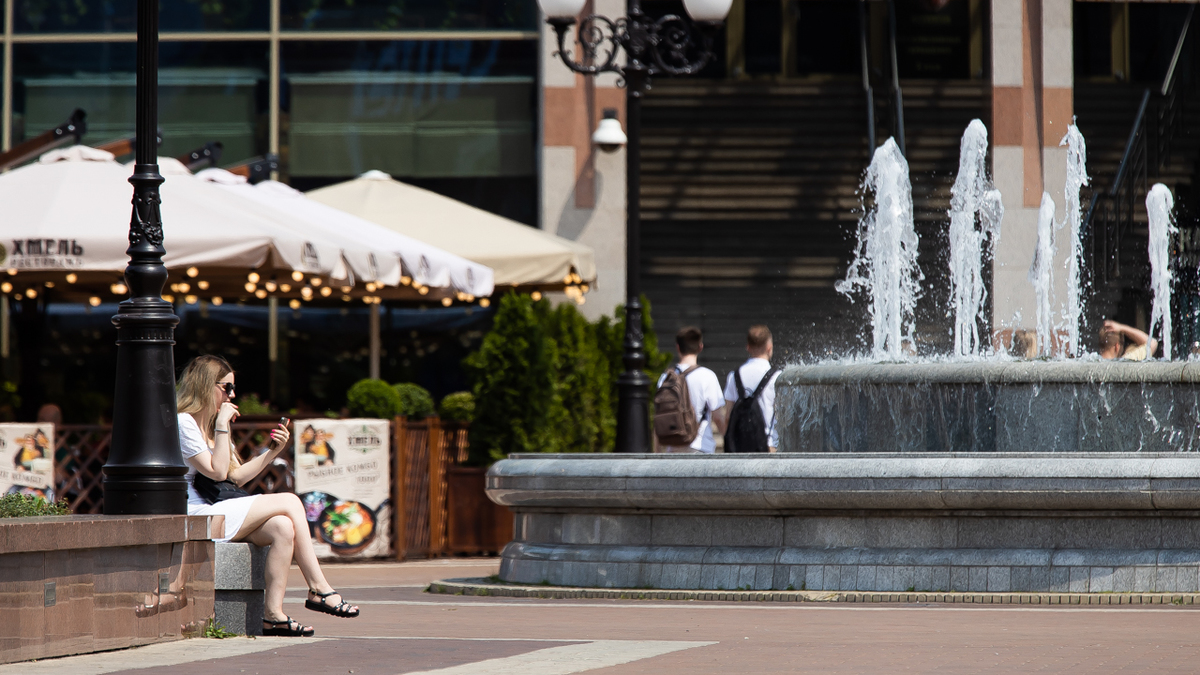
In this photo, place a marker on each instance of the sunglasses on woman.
(228, 387)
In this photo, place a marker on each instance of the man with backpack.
(750, 397)
(688, 404)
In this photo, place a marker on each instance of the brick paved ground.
(413, 631)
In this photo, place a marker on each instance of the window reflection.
(400, 14)
(209, 91)
(456, 115)
(116, 16)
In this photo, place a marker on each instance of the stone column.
(1032, 104)
(583, 189)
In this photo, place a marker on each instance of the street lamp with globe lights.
(670, 45)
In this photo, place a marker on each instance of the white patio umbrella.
(393, 255)
(69, 212)
(519, 255)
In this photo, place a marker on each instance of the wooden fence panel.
(423, 453)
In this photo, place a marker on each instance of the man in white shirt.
(761, 346)
(704, 390)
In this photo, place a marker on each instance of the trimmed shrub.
(25, 506)
(250, 404)
(587, 421)
(373, 398)
(458, 407)
(415, 400)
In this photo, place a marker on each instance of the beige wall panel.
(602, 228)
(1057, 44)
(1006, 43)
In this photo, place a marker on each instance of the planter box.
(475, 523)
(80, 584)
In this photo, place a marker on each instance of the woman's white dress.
(192, 443)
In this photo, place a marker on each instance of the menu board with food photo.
(27, 460)
(343, 477)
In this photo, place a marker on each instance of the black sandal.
(287, 630)
(342, 609)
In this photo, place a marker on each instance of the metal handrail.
(1169, 80)
(866, 77)
(897, 94)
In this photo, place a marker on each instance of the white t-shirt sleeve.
(191, 441)
(730, 388)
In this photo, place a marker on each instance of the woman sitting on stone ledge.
(205, 393)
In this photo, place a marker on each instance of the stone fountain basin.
(990, 406)
(1034, 522)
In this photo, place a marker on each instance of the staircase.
(1105, 113)
(750, 206)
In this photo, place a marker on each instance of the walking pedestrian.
(688, 403)
(750, 397)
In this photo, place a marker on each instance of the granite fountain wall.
(893, 478)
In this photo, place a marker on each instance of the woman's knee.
(280, 529)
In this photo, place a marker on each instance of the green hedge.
(373, 398)
(415, 400)
(458, 407)
(544, 379)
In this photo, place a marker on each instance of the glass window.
(117, 16)
(402, 14)
(428, 109)
(208, 91)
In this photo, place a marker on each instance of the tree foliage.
(545, 379)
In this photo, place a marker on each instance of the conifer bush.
(373, 398)
(415, 401)
(545, 378)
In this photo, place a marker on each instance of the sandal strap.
(323, 595)
(287, 621)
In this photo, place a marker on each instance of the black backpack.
(746, 421)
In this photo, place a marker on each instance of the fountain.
(997, 475)
(1041, 275)
(1159, 207)
(972, 198)
(885, 261)
(1076, 178)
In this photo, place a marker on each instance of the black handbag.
(213, 491)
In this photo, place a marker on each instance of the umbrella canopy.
(397, 259)
(519, 255)
(67, 220)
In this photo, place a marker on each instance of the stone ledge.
(59, 533)
(484, 587)
(726, 483)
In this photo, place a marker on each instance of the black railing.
(897, 93)
(1156, 126)
(863, 29)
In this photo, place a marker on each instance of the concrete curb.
(485, 587)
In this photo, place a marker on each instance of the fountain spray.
(1076, 178)
(885, 259)
(1159, 208)
(1041, 274)
(971, 245)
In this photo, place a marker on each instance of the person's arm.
(215, 465)
(1133, 335)
(254, 466)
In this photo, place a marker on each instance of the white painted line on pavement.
(152, 656)
(569, 658)
(599, 603)
(384, 586)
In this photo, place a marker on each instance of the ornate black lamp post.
(671, 45)
(144, 472)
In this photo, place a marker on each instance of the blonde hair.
(194, 392)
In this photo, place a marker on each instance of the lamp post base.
(140, 493)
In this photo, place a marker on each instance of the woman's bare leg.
(278, 533)
(262, 509)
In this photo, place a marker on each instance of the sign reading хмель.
(343, 477)
(27, 459)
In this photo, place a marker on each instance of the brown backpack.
(674, 417)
